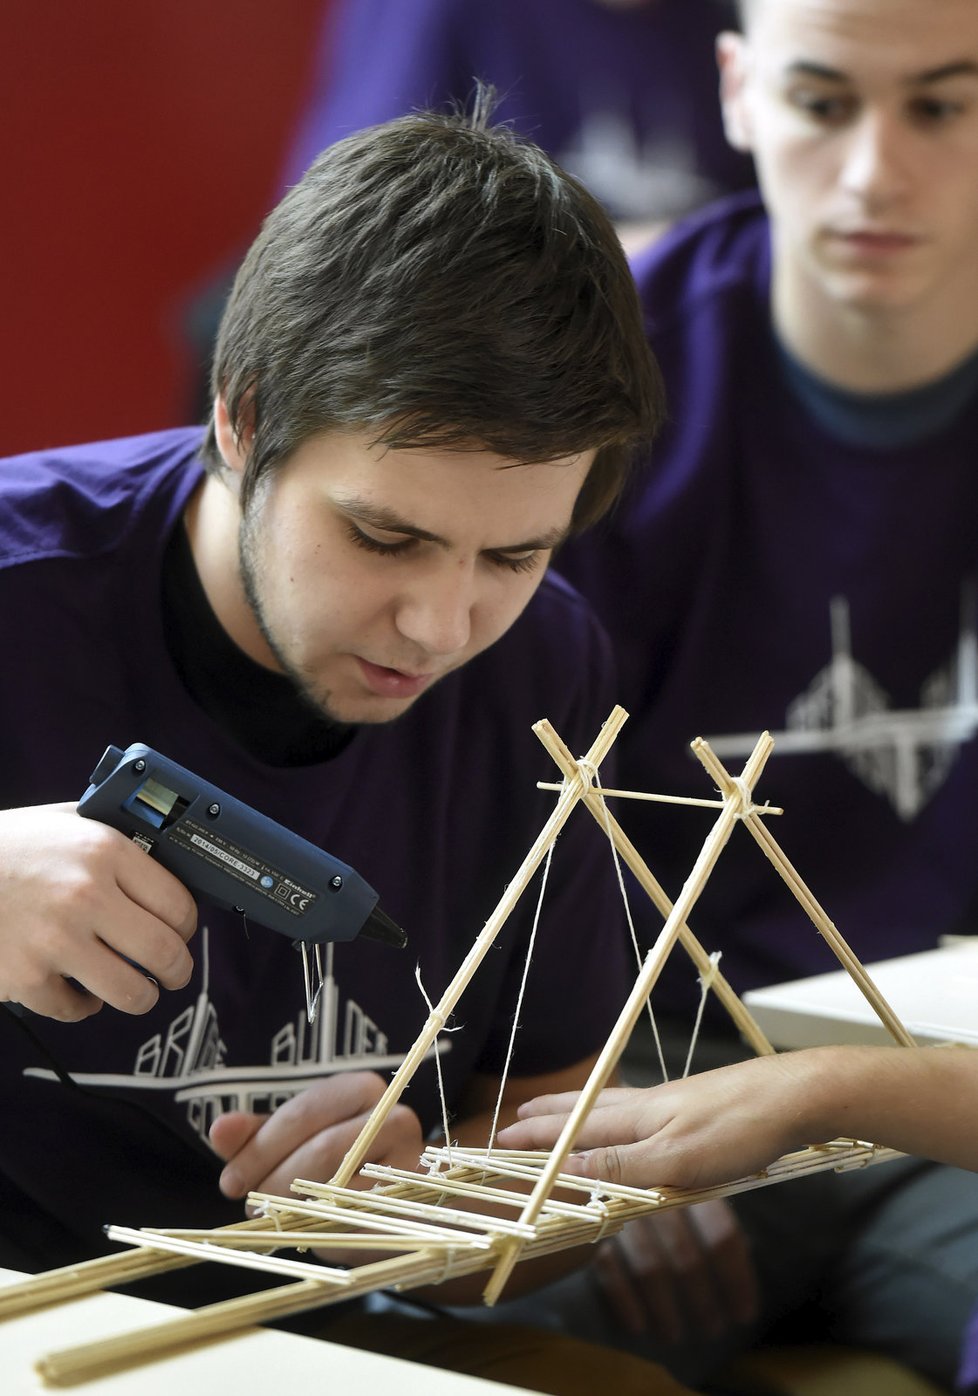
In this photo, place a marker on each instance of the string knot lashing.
(449, 1260)
(438, 1018)
(596, 1203)
(709, 976)
(747, 806)
(587, 771)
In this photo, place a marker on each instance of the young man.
(801, 557)
(336, 606)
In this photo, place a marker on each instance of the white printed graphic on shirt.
(188, 1059)
(903, 755)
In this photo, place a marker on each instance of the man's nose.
(436, 614)
(875, 166)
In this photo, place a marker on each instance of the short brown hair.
(444, 283)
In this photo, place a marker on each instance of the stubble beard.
(249, 568)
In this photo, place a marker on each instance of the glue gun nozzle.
(379, 926)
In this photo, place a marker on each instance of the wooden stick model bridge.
(473, 1209)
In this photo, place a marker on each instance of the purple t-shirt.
(436, 811)
(766, 574)
(626, 98)
(967, 1382)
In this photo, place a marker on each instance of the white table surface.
(253, 1363)
(934, 993)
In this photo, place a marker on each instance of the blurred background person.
(622, 93)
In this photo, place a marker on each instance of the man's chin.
(366, 711)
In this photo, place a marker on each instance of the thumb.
(232, 1131)
(608, 1164)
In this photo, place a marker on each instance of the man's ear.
(733, 60)
(233, 448)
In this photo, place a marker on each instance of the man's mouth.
(873, 241)
(392, 683)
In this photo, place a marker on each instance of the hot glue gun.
(227, 853)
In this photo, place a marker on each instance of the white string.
(596, 1203)
(747, 806)
(440, 1020)
(519, 1002)
(450, 1253)
(631, 927)
(707, 979)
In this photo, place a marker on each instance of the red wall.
(140, 144)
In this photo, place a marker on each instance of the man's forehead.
(918, 40)
(892, 15)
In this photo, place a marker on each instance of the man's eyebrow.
(378, 516)
(803, 68)
(964, 68)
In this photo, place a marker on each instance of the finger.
(649, 1163)
(57, 998)
(149, 885)
(602, 1143)
(563, 1102)
(535, 1132)
(142, 938)
(695, 1278)
(616, 1282)
(310, 1131)
(125, 965)
(733, 1266)
(316, 1158)
(231, 1131)
(645, 1303)
(97, 968)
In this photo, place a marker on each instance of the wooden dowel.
(604, 792)
(611, 1052)
(207, 1250)
(307, 1240)
(569, 797)
(408, 1207)
(740, 1015)
(73, 1281)
(816, 914)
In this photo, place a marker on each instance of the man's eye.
(826, 109)
(517, 562)
(371, 544)
(929, 111)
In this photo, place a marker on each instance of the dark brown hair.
(441, 283)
